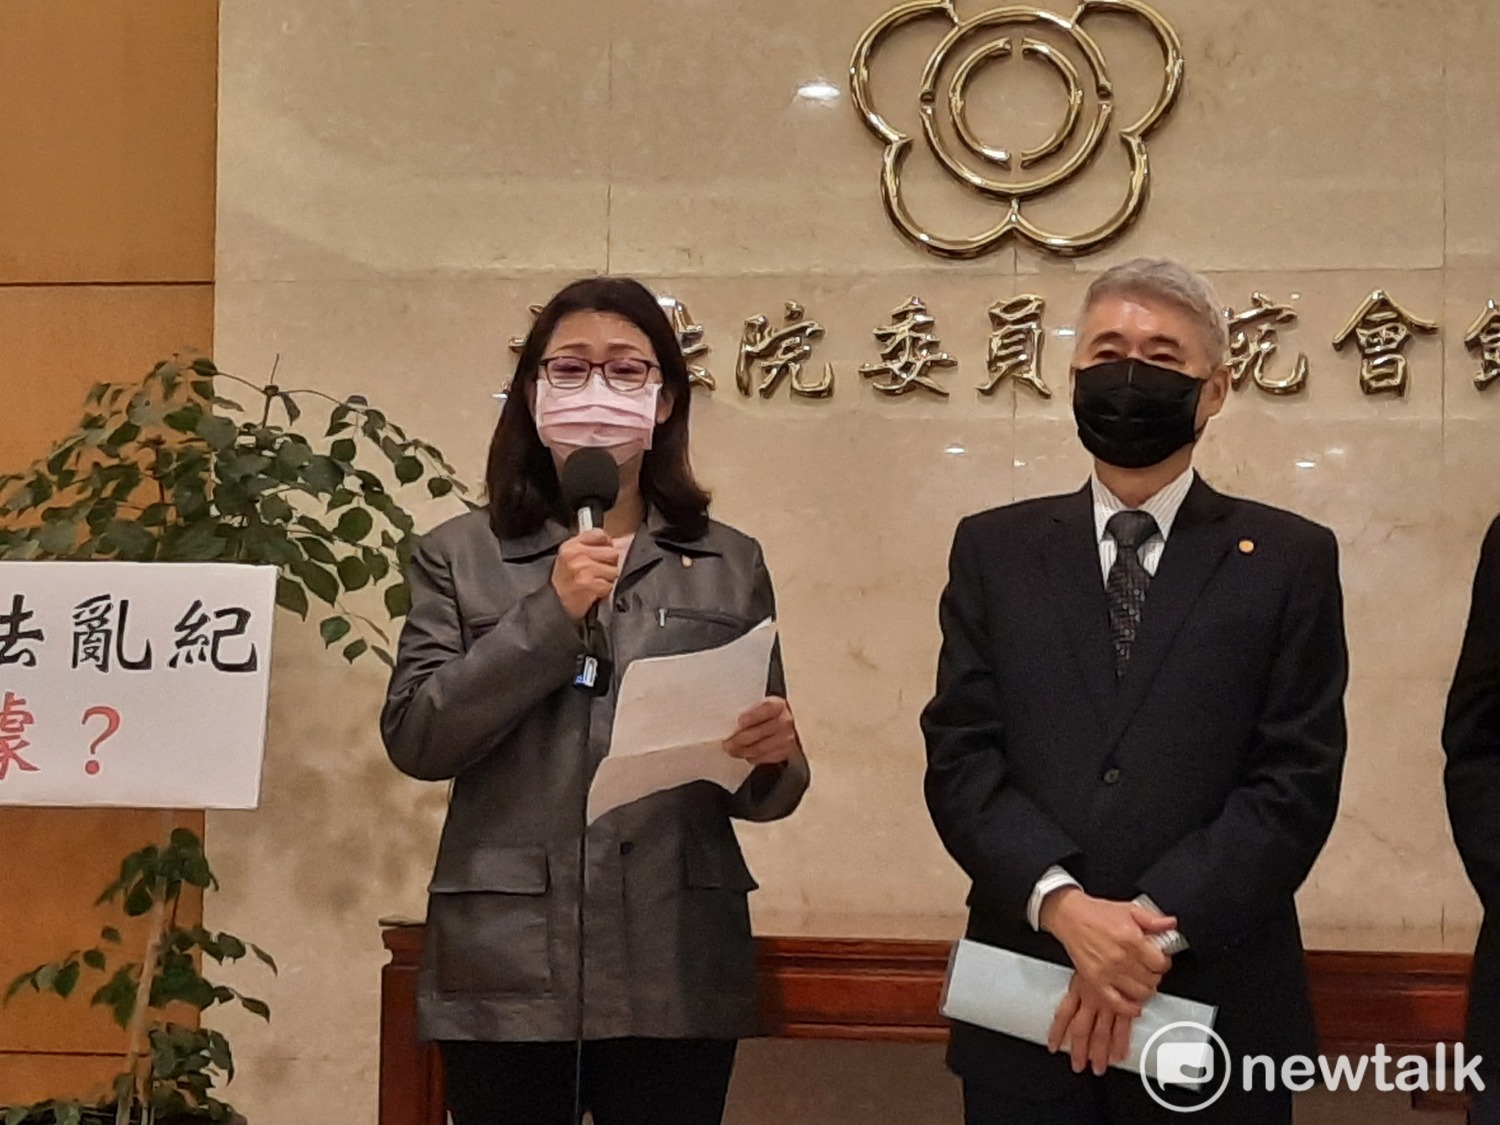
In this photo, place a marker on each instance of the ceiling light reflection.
(818, 90)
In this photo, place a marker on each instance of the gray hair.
(1166, 280)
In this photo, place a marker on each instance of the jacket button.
(626, 847)
(621, 605)
(1111, 776)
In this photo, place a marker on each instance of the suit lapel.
(1200, 540)
(1071, 558)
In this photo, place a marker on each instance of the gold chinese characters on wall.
(908, 355)
(1381, 329)
(1483, 339)
(770, 355)
(1010, 180)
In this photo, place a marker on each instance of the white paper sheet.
(673, 715)
(1018, 995)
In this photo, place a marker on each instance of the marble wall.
(399, 181)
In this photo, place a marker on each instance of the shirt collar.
(1163, 507)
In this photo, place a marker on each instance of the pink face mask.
(597, 417)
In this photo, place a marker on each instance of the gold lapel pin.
(1247, 546)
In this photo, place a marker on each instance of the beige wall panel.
(107, 140)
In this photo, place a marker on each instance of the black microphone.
(590, 483)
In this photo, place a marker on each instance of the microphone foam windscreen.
(590, 475)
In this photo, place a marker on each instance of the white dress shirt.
(1163, 507)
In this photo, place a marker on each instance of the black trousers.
(1119, 1098)
(625, 1081)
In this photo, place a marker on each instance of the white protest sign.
(137, 685)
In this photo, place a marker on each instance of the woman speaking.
(506, 603)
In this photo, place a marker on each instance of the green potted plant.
(171, 1077)
(170, 469)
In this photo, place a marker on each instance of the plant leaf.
(353, 572)
(354, 525)
(67, 979)
(218, 432)
(355, 650)
(290, 595)
(273, 509)
(186, 419)
(256, 1007)
(398, 599)
(95, 960)
(334, 629)
(139, 901)
(317, 550)
(20, 983)
(185, 839)
(408, 469)
(265, 958)
(321, 582)
(322, 475)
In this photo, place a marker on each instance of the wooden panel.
(32, 1078)
(1408, 1001)
(107, 140)
(881, 989)
(58, 341)
(852, 989)
(411, 1073)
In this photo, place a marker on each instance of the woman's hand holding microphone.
(587, 567)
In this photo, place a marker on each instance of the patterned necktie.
(1128, 581)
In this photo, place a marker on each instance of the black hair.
(521, 476)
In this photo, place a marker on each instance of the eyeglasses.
(572, 373)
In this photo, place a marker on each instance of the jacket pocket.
(489, 917)
(690, 629)
(668, 614)
(712, 866)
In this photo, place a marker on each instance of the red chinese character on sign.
(14, 719)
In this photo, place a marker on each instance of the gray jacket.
(482, 694)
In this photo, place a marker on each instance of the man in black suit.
(1471, 740)
(1138, 735)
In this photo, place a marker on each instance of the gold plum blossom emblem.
(953, 140)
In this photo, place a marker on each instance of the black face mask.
(1133, 414)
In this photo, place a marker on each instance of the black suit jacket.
(1208, 778)
(1471, 740)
